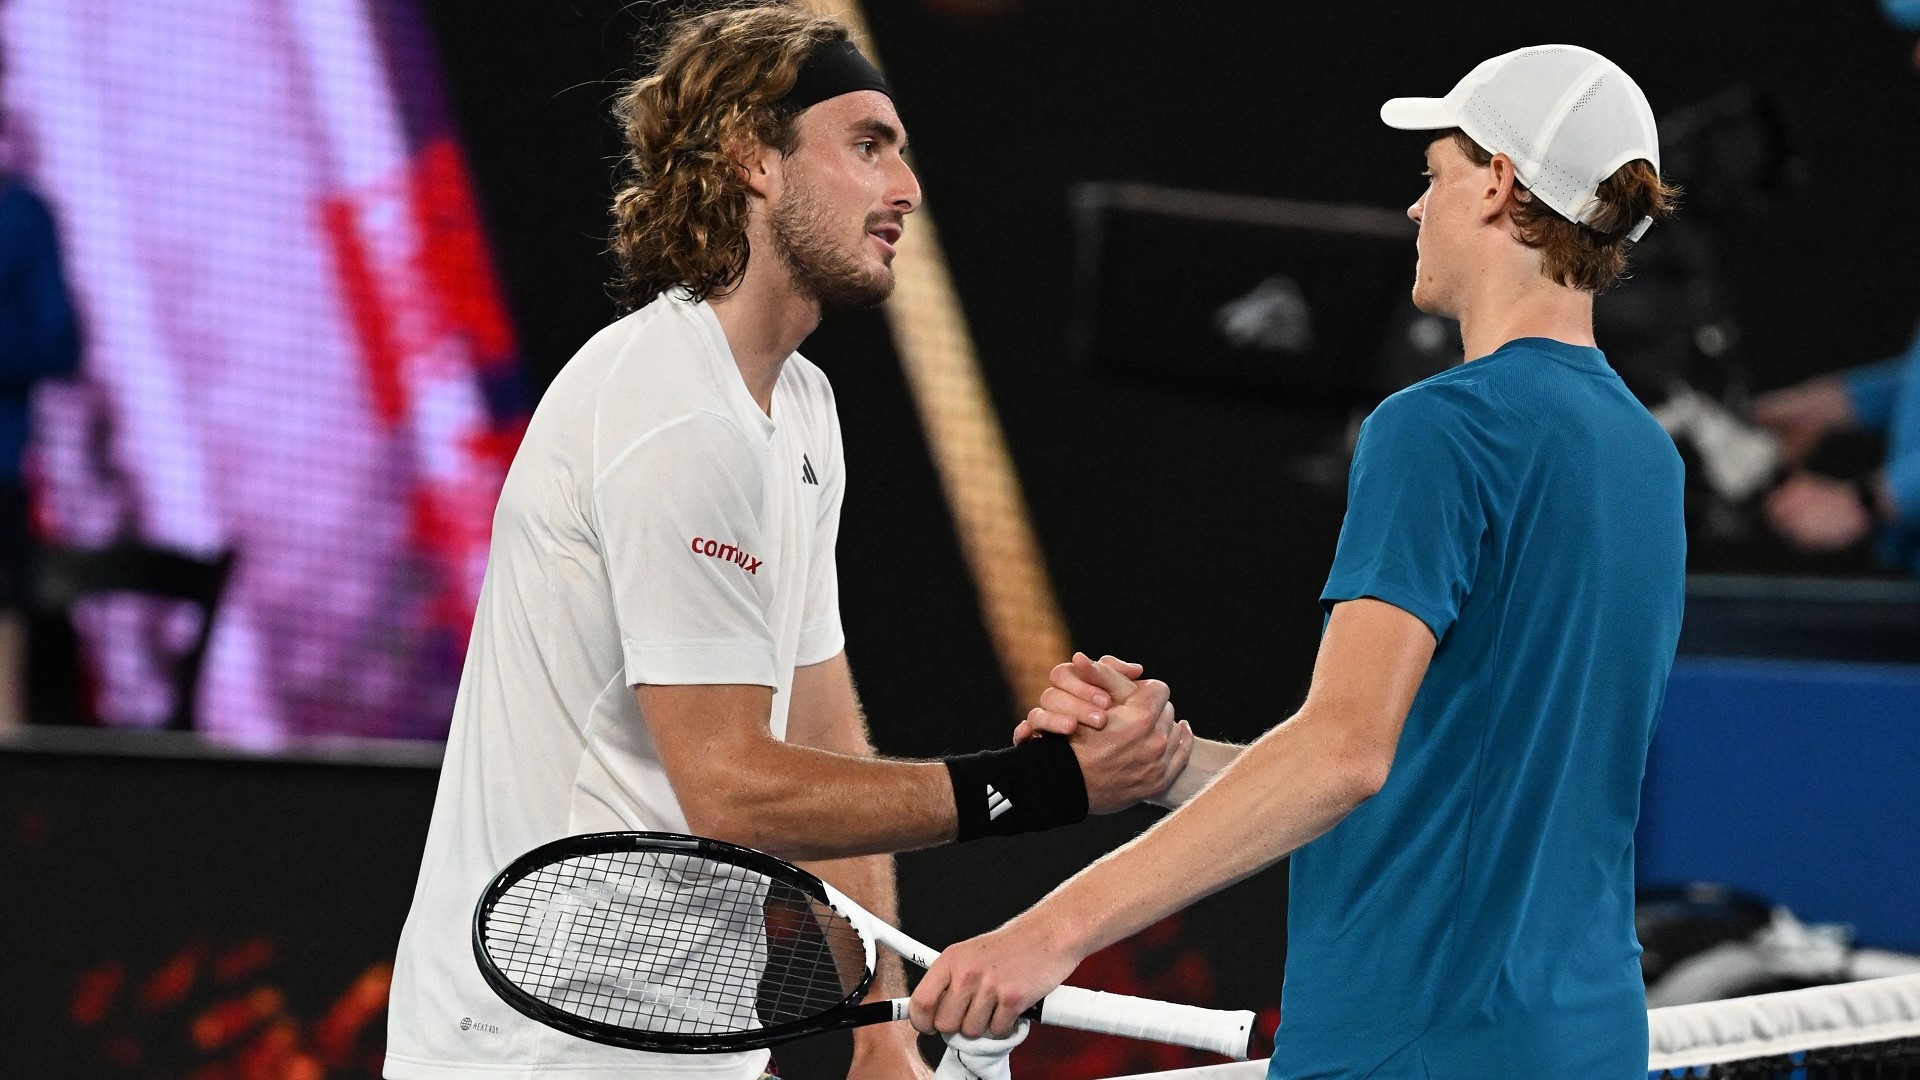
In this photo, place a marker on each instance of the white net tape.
(1239, 1070)
(1715, 1032)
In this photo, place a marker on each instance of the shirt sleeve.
(677, 513)
(821, 634)
(1416, 513)
(1871, 389)
(1902, 424)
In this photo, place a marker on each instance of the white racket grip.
(1227, 1033)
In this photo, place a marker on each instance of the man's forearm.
(826, 715)
(869, 881)
(798, 802)
(1209, 759)
(1287, 788)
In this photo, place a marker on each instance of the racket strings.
(672, 944)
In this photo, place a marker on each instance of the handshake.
(1130, 744)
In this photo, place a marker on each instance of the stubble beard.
(828, 272)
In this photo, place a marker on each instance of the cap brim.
(1418, 114)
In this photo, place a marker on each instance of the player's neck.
(1502, 308)
(765, 319)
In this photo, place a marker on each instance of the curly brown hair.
(715, 80)
(1592, 256)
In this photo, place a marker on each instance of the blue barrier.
(1795, 780)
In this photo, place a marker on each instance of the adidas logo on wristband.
(1039, 779)
(997, 804)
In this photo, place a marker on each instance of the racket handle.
(1227, 1033)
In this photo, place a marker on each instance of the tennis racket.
(684, 945)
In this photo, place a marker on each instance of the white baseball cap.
(1567, 116)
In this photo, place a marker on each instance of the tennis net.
(1855, 1031)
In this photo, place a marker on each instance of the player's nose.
(903, 193)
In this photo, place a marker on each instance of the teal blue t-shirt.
(1475, 918)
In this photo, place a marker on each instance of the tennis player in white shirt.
(658, 642)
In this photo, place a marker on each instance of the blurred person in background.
(1823, 513)
(39, 340)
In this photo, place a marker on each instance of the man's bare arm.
(1210, 758)
(736, 782)
(825, 714)
(1290, 786)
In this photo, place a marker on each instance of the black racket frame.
(848, 1013)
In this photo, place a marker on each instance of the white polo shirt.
(656, 527)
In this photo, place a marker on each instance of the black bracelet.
(1035, 785)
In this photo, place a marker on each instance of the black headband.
(831, 69)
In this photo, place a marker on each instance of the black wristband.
(1035, 785)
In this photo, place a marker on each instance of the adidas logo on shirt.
(997, 804)
(807, 473)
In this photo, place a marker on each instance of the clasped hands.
(980, 987)
(1130, 744)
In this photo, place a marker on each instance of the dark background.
(181, 917)
(1173, 530)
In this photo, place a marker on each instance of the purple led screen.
(294, 345)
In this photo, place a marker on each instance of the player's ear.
(1502, 192)
(760, 165)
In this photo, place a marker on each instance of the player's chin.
(1425, 300)
(876, 288)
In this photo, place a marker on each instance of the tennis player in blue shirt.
(1460, 788)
